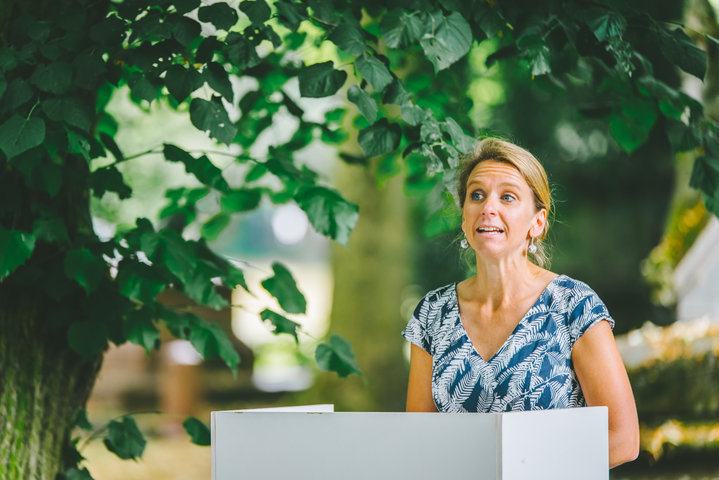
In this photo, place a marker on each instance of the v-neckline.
(509, 338)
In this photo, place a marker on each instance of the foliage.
(337, 356)
(198, 431)
(673, 438)
(679, 370)
(684, 225)
(59, 66)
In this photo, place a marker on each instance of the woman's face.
(499, 214)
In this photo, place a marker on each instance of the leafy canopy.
(60, 65)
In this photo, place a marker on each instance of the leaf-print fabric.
(531, 371)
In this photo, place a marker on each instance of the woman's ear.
(539, 224)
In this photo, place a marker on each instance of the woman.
(516, 336)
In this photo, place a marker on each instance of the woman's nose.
(490, 205)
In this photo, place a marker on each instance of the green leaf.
(109, 179)
(139, 328)
(180, 258)
(241, 200)
(110, 144)
(77, 474)
(282, 286)
(211, 116)
(336, 356)
(412, 114)
(184, 29)
(209, 340)
(329, 213)
(348, 36)
(181, 81)
(18, 93)
(396, 93)
(379, 138)
(212, 228)
(240, 51)
(220, 14)
(15, 248)
(186, 6)
(537, 52)
(608, 25)
(400, 29)
(55, 77)
(202, 168)
(206, 172)
(18, 135)
(290, 14)
(257, 11)
(217, 78)
(681, 137)
(705, 177)
(681, 51)
(281, 323)
(235, 277)
(539, 61)
(72, 111)
(198, 431)
(366, 104)
(257, 171)
(87, 338)
(140, 282)
(207, 48)
(464, 143)
(630, 127)
(81, 420)
(85, 268)
(448, 41)
(320, 80)
(124, 439)
(51, 230)
(143, 88)
(3, 85)
(78, 144)
(374, 71)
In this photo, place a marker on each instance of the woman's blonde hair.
(526, 164)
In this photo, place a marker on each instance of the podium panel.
(274, 445)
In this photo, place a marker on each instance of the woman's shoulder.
(436, 299)
(567, 292)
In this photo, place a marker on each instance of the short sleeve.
(416, 329)
(587, 310)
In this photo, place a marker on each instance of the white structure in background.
(696, 278)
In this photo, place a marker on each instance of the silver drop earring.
(532, 247)
(464, 243)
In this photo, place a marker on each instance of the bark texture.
(43, 385)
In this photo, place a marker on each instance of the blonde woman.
(516, 336)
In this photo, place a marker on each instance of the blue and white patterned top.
(531, 371)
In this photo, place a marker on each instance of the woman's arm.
(419, 388)
(604, 381)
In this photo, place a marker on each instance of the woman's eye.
(508, 197)
(476, 196)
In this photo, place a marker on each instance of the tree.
(65, 293)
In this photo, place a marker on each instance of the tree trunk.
(370, 275)
(43, 385)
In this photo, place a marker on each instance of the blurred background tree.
(581, 84)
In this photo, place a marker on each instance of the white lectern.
(324, 445)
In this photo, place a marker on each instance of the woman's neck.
(503, 281)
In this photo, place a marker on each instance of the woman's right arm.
(419, 388)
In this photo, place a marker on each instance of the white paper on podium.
(320, 408)
(310, 445)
